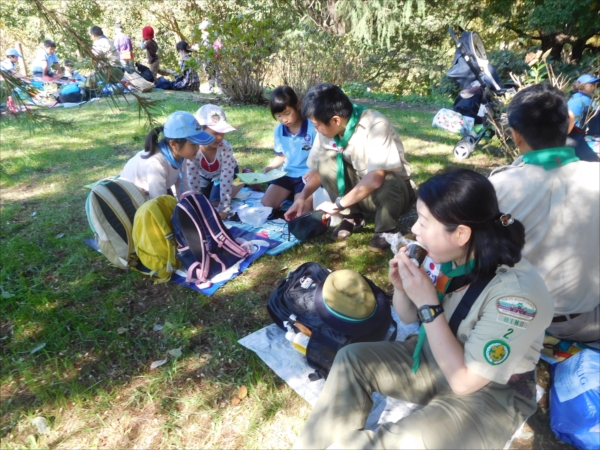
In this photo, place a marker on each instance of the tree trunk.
(578, 48)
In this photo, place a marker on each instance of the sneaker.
(378, 243)
(347, 226)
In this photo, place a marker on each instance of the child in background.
(151, 47)
(579, 103)
(294, 137)
(213, 169)
(158, 167)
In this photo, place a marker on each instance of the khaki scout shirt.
(375, 145)
(560, 210)
(503, 333)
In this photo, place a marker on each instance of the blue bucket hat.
(587, 78)
(182, 124)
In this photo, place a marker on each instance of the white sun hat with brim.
(214, 118)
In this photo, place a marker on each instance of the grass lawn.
(77, 336)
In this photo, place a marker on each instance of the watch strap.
(338, 203)
(433, 310)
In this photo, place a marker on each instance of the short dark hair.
(465, 197)
(540, 114)
(49, 43)
(96, 31)
(182, 45)
(324, 101)
(281, 98)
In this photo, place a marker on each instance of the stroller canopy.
(471, 66)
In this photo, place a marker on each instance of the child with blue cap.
(157, 168)
(9, 64)
(580, 102)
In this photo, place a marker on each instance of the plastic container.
(255, 215)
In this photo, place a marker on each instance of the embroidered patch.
(495, 352)
(307, 137)
(216, 118)
(306, 147)
(511, 321)
(517, 307)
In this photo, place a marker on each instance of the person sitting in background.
(473, 372)
(555, 196)
(576, 139)
(359, 159)
(102, 46)
(294, 137)
(10, 63)
(46, 61)
(122, 43)
(151, 47)
(213, 169)
(158, 168)
(187, 79)
(587, 115)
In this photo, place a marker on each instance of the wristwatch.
(428, 313)
(338, 203)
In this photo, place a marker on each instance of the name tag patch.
(511, 321)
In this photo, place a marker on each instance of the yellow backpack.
(153, 237)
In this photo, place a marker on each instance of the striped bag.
(110, 207)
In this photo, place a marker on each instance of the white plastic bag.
(255, 215)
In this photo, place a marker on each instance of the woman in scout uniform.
(476, 383)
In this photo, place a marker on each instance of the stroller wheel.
(464, 148)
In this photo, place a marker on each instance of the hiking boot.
(378, 243)
(347, 226)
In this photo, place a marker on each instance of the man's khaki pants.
(583, 328)
(388, 203)
(485, 419)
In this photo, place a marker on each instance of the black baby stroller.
(481, 87)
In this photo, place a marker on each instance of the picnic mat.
(277, 352)
(271, 229)
(258, 245)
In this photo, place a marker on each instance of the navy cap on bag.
(183, 125)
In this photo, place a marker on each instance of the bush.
(307, 58)
(507, 61)
(249, 43)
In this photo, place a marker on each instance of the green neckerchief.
(447, 270)
(341, 143)
(551, 158)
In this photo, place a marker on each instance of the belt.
(520, 382)
(558, 319)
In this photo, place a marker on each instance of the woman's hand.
(223, 215)
(393, 273)
(267, 169)
(416, 283)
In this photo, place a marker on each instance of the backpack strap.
(467, 301)
(215, 227)
(188, 220)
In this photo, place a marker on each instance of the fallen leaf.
(235, 401)
(242, 392)
(41, 424)
(7, 294)
(121, 330)
(283, 269)
(59, 235)
(157, 327)
(168, 325)
(38, 348)
(33, 213)
(158, 363)
(176, 352)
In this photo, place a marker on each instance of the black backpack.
(144, 72)
(294, 296)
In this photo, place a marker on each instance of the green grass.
(95, 385)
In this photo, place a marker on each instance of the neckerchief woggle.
(341, 143)
(449, 272)
(168, 154)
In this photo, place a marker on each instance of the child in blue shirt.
(581, 101)
(294, 137)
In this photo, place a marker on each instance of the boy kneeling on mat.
(359, 159)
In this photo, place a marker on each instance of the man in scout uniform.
(557, 198)
(359, 159)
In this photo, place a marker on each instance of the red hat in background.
(148, 32)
